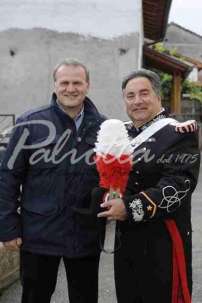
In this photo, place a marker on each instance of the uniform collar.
(162, 114)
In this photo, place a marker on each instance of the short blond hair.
(71, 62)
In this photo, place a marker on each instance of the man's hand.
(115, 210)
(13, 244)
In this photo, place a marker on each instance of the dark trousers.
(143, 269)
(39, 277)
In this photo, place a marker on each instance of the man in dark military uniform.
(154, 216)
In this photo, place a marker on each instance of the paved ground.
(106, 287)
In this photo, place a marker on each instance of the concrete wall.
(27, 58)
(34, 36)
(186, 42)
(98, 18)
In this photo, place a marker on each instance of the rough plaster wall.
(27, 58)
(35, 35)
(99, 18)
(185, 42)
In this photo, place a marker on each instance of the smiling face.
(71, 87)
(142, 103)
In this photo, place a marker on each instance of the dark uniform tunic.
(164, 175)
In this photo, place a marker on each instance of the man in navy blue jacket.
(49, 165)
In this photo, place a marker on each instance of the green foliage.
(188, 87)
(191, 88)
(160, 47)
(166, 85)
(173, 52)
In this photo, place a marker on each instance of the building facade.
(105, 35)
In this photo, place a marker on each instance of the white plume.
(113, 139)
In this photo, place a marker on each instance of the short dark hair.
(146, 73)
(71, 62)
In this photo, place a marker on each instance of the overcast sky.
(187, 13)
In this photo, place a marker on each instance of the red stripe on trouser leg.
(175, 282)
(180, 290)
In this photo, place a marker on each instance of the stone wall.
(9, 267)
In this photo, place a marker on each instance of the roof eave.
(166, 63)
(155, 17)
